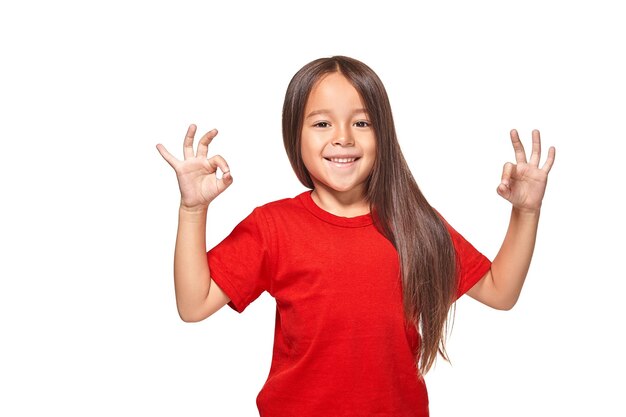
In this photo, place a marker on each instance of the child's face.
(338, 142)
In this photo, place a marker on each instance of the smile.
(341, 160)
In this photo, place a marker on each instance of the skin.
(336, 126)
(338, 146)
(523, 184)
(197, 295)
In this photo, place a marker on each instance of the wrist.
(526, 212)
(193, 210)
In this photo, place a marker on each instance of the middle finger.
(203, 145)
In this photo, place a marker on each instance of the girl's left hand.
(524, 183)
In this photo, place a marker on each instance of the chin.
(343, 188)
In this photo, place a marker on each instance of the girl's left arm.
(523, 185)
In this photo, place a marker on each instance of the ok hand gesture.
(524, 183)
(197, 175)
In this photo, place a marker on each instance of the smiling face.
(338, 142)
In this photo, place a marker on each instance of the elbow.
(500, 295)
(504, 304)
(188, 319)
(190, 316)
(503, 307)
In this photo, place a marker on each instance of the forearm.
(510, 266)
(192, 279)
(523, 184)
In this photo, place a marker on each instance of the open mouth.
(341, 160)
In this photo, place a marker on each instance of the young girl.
(364, 271)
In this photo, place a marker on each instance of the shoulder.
(451, 230)
(459, 242)
(283, 206)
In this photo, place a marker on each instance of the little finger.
(547, 166)
(167, 156)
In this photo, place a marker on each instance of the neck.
(344, 204)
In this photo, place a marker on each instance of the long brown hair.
(401, 213)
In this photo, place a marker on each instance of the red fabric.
(341, 344)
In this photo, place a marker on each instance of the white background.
(89, 208)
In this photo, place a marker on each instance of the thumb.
(503, 191)
(227, 179)
(217, 162)
(504, 188)
(221, 184)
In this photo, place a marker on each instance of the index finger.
(520, 153)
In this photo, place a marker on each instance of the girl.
(364, 271)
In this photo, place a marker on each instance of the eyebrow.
(326, 111)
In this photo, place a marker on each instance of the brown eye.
(321, 124)
(362, 123)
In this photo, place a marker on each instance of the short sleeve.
(240, 263)
(471, 264)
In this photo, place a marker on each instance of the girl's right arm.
(197, 295)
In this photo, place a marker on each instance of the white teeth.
(342, 160)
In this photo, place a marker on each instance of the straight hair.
(399, 209)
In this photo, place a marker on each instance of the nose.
(343, 137)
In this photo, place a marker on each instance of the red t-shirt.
(341, 343)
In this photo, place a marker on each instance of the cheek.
(373, 155)
(307, 153)
(372, 149)
(305, 149)
(311, 145)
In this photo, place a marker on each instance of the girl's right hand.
(197, 175)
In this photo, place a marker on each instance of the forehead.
(333, 92)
